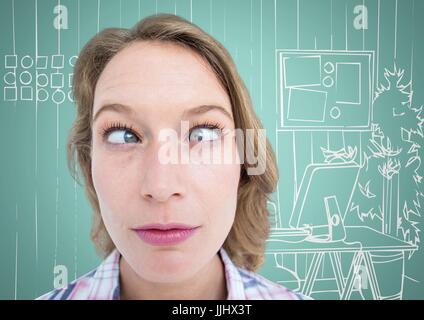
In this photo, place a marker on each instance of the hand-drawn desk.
(362, 241)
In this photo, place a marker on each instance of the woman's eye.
(122, 137)
(204, 134)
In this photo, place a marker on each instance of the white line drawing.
(388, 159)
(10, 61)
(70, 96)
(25, 78)
(318, 99)
(342, 65)
(56, 80)
(70, 79)
(31, 67)
(10, 93)
(42, 95)
(26, 93)
(313, 63)
(27, 62)
(57, 61)
(10, 78)
(42, 62)
(350, 224)
(335, 72)
(73, 60)
(58, 96)
(42, 80)
(335, 112)
(328, 81)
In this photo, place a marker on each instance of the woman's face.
(161, 85)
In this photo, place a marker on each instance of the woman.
(180, 230)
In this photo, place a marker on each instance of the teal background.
(45, 217)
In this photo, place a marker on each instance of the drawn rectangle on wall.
(302, 71)
(307, 105)
(347, 78)
(348, 83)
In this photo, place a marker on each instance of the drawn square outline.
(55, 78)
(57, 61)
(307, 90)
(7, 60)
(24, 91)
(14, 90)
(304, 57)
(43, 60)
(360, 82)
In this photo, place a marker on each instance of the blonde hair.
(245, 242)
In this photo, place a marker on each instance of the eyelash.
(208, 125)
(117, 126)
(120, 126)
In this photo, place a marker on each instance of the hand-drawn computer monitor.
(323, 199)
(321, 90)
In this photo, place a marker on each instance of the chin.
(166, 266)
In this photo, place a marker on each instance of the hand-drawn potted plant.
(394, 150)
(392, 204)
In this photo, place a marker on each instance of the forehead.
(158, 74)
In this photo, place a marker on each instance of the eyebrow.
(205, 108)
(116, 107)
(121, 108)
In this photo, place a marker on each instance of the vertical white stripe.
(346, 27)
(75, 225)
(16, 266)
(251, 20)
(280, 224)
(16, 252)
(78, 26)
(294, 164)
(275, 24)
(36, 85)
(331, 23)
(378, 41)
(360, 148)
(36, 134)
(56, 216)
(363, 29)
(225, 23)
(413, 40)
(57, 157)
(58, 33)
(398, 211)
(210, 17)
(275, 53)
(36, 229)
(297, 21)
(312, 148)
(98, 15)
(395, 45)
(13, 27)
(261, 57)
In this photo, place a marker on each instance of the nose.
(161, 182)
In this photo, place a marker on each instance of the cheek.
(109, 174)
(217, 187)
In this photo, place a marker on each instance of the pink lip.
(165, 234)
